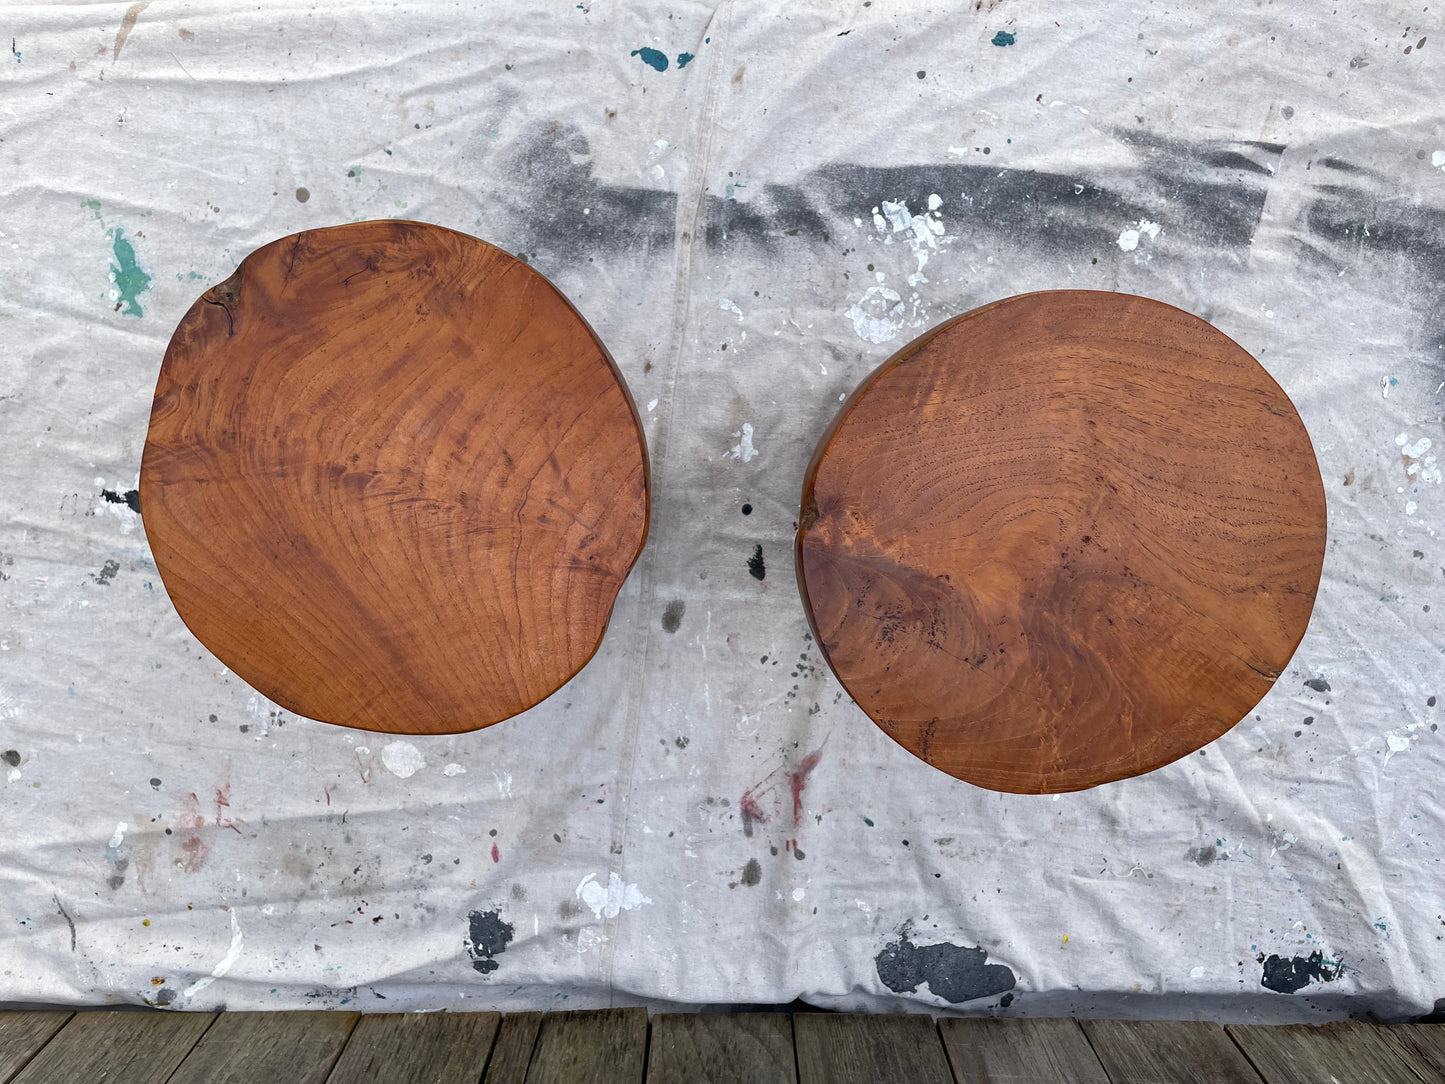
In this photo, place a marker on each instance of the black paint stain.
(956, 973)
(1221, 182)
(757, 568)
(747, 509)
(68, 920)
(1286, 976)
(752, 873)
(106, 573)
(563, 212)
(155, 783)
(1006, 1000)
(11, 757)
(164, 996)
(488, 938)
(672, 616)
(1319, 685)
(130, 498)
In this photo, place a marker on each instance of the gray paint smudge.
(1319, 685)
(106, 573)
(752, 873)
(672, 616)
(956, 973)
(488, 938)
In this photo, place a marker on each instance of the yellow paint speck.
(147, 922)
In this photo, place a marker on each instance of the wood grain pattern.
(1421, 1046)
(22, 1034)
(720, 1048)
(1061, 540)
(833, 1048)
(1168, 1052)
(117, 1047)
(264, 1047)
(392, 478)
(1344, 1053)
(512, 1053)
(1024, 1051)
(599, 1046)
(419, 1048)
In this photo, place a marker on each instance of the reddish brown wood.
(392, 479)
(1063, 539)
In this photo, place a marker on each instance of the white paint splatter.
(607, 902)
(1423, 465)
(1437, 159)
(117, 837)
(727, 305)
(1411, 507)
(13, 775)
(1196, 972)
(228, 961)
(878, 315)
(1129, 238)
(744, 449)
(504, 783)
(652, 406)
(799, 892)
(402, 759)
(589, 939)
(454, 769)
(922, 233)
(1386, 383)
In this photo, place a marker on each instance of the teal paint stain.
(652, 58)
(1003, 37)
(683, 59)
(130, 281)
(868, 821)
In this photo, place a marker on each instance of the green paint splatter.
(130, 281)
(1003, 37)
(93, 204)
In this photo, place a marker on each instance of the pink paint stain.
(496, 854)
(750, 806)
(798, 782)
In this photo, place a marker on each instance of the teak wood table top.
(392, 478)
(1061, 540)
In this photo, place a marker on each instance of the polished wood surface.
(1061, 540)
(392, 479)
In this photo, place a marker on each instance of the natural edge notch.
(1063, 539)
(392, 479)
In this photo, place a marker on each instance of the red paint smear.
(748, 803)
(798, 782)
(496, 854)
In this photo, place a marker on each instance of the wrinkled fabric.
(753, 205)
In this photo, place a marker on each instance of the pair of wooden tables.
(395, 482)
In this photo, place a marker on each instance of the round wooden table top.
(1061, 540)
(392, 479)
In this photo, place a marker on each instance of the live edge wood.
(1061, 540)
(392, 478)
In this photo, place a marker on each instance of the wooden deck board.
(512, 1052)
(419, 1048)
(117, 1047)
(22, 1034)
(1168, 1052)
(719, 1048)
(603, 1046)
(266, 1047)
(1345, 1053)
(1420, 1046)
(845, 1049)
(1022, 1051)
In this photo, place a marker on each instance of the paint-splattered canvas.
(754, 205)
